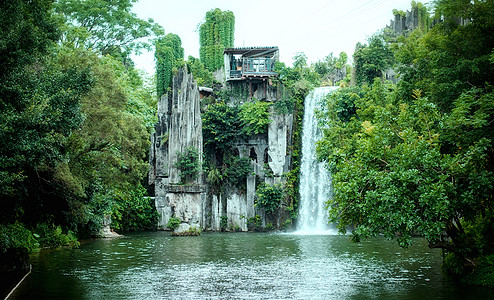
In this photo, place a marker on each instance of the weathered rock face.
(179, 127)
(404, 24)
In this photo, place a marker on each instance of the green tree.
(269, 197)
(370, 61)
(189, 165)
(300, 60)
(74, 127)
(418, 158)
(450, 58)
(39, 110)
(221, 127)
(216, 34)
(328, 68)
(106, 26)
(106, 157)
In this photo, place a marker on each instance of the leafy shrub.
(238, 168)
(269, 197)
(255, 117)
(133, 211)
(483, 274)
(16, 236)
(270, 226)
(223, 223)
(188, 164)
(173, 223)
(203, 76)
(254, 223)
(51, 236)
(221, 126)
(192, 231)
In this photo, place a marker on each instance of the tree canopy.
(106, 26)
(74, 122)
(417, 158)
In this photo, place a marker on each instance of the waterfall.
(315, 179)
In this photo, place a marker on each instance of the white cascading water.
(315, 179)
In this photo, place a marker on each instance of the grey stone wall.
(179, 126)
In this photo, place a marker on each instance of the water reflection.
(241, 266)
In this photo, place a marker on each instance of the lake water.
(154, 265)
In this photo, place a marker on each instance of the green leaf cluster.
(51, 236)
(215, 34)
(231, 170)
(188, 165)
(173, 223)
(133, 211)
(269, 197)
(221, 126)
(105, 26)
(255, 117)
(203, 76)
(168, 55)
(370, 61)
(328, 67)
(17, 236)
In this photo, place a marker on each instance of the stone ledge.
(177, 188)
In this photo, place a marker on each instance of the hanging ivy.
(168, 55)
(189, 165)
(216, 34)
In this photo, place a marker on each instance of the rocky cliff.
(179, 126)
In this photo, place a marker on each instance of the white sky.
(315, 27)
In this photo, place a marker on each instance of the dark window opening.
(253, 154)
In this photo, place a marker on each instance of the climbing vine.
(269, 197)
(255, 117)
(168, 55)
(220, 127)
(188, 164)
(216, 34)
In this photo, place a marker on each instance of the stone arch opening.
(253, 154)
(267, 158)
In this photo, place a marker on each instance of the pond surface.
(154, 265)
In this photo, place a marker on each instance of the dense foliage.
(106, 26)
(371, 61)
(331, 69)
(221, 126)
(269, 197)
(216, 34)
(417, 158)
(75, 118)
(255, 117)
(169, 55)
(188, 165)
(133, 211)
(173, 223)
(203, 76)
